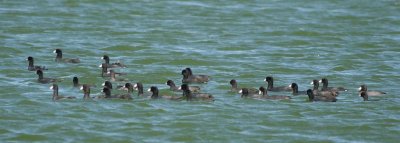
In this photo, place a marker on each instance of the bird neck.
(155, 94)
(31, 63)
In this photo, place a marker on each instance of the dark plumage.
(322, 93)
(315, 84)
(264, 95)
(370, 93)
(56, 96)
(246, 94)
(32, 67)
(112, 65)
(325, 87)
(315, 98)
(107, 94)
(113, 76)
(139, 87)
(235, 87)
(271, 86)
(75, 82)
(59, 57)
(105, 73)
(107, 84)
(86, 91)
(44, 80)
(295, 90)
(195, 96)
(189, 77)
(173, 87)
(155, 95)
(129, 87)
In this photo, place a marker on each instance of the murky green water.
(350, 42)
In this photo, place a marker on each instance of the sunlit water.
(349, 42)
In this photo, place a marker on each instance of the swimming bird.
(264, 95)
(325, 87)
(112, 75)
(107, 94)
(246, 94)
(75, 82)
(370, 93)
(139, 87)
(32, 67)
(295, 90)
(112, 65)
(271, 87)
(173, 87)
(155, 95)
(56, 96)
(105, 73)
(86, 91)
(235, 87)
(59, 57)
(364, 95)
(195, 96)
(315, 98)
(189, 77)
(44, 80)
(322, 93)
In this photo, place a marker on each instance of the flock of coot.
(189, 93)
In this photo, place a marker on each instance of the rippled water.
(349, 42)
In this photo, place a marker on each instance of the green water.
(350, 42)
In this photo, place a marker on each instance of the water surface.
(349, 42)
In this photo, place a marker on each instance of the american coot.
(264, 95)
(195, 96)
(315, 84)
(107, 84)
(54, 87)
(370, 93)
(155, 95)
(271, 86)
(322, 93)
(75, 82)
(32, 67)
(129, 87)
(235, 87)
(295, 90)
(189, 77)
(173, 87)
(325, 87)
(139, 87)
(314, 98)
(112, 75)
(246, 94)
(112, 65)
(104, 71)
(364, 95)
(44, 80)
(107, 94)
(59, 57)
(86, 91)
